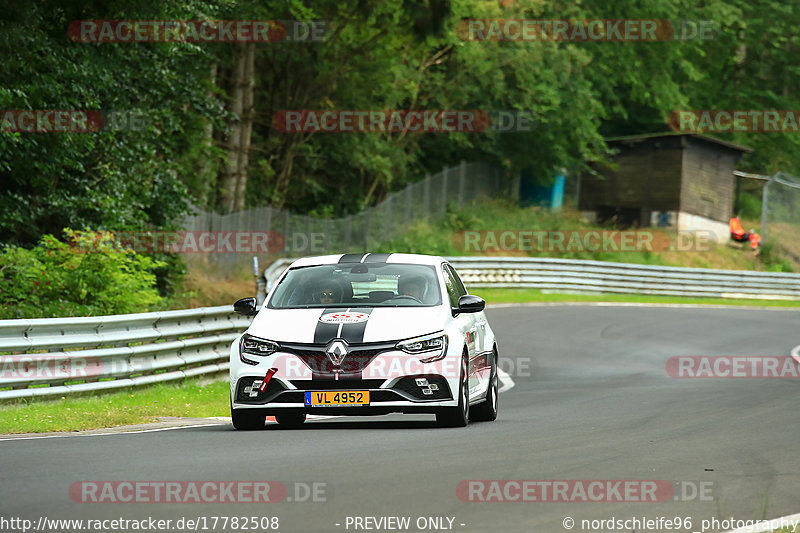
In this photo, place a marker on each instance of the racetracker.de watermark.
(204, 492)
(180, 242)
(732, 367)
(50, 366)
(197, 31)
(734, 120)
(566, 241)
(582, 490)
(403, 120)
(586, 30)
(73, 120)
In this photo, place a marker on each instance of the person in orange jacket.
(737, 232)
(755, 240)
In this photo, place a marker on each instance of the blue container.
(532, 193)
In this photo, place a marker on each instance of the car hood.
(380, 324)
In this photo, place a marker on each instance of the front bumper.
(396, 381)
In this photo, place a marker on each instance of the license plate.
(323, 398)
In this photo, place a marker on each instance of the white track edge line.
(126, 432)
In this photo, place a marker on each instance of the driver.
(327, 293)
(413, 286)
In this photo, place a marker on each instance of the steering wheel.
(405, 297)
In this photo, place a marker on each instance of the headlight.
(435, 342)
(255, 346)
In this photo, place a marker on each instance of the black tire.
(486, 411)
(457, 417)
(291, 419)
(248, 419)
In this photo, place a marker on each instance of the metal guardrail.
(584, 276)
(47, 357)
(572, 275)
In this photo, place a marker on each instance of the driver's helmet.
(412, 286)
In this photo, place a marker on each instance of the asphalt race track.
(592, 401)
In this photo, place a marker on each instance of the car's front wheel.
(248, 419)
(486, 411)
(458, 417)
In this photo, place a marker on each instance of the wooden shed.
(684, 181)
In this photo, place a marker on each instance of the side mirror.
(469, 303)
(245, 306)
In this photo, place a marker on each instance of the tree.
(127, 178)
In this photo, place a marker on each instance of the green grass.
(498, 295)
(190, 398)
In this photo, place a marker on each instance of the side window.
(462, 290)
(455, 289)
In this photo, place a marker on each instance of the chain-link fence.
(285, 234)
(780, 217)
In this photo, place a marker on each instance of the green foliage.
(89, 276)
(751, 65)
(130, 178)
(774, 259)
(400, 54)
(409, 55)
(748, 206)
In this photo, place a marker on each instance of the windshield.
(358, 285)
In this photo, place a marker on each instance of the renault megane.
(365, 334)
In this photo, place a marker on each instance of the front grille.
(357, 358)
(352, 350)
(410, 387)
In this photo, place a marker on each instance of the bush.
(89, 276)
(748, 206)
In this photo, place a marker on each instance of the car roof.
(416, 259)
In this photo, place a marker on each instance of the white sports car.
(365, 334)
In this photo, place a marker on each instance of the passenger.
(413, 286)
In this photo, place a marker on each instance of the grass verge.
(191, 398)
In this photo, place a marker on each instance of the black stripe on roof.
(351, 258)
(377, 258)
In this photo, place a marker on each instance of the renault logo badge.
(336, 351)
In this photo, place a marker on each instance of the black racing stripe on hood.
(324, 333)
(377, 258)
(351, 333)
(351, 258)
(354, 333)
